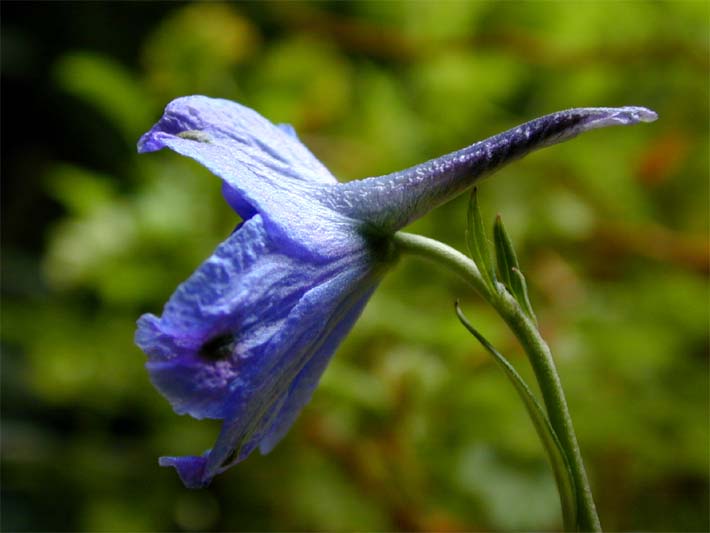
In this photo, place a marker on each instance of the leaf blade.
(477, 242)
(509, 268)
(543, 427)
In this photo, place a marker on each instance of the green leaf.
(509, 269)
(478, 243)
(520, 291)
(553, 447)
(505, 253)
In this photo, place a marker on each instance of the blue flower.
(246, 338)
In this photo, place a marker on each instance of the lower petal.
(292, 364)
(190, 469)
(301, 390)
(214, 322)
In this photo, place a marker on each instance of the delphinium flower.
(246, 338)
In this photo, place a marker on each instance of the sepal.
(477, 241)
(509, 269)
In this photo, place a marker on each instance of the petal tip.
(150, 142)
(191, 470)
(148, 334)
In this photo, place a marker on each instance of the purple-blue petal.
(241, 297)
(247, 336)
(290, 365)
(190, 468)
(264, 167)
(255, 141)
(302, 387)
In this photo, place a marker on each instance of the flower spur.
(246, 338)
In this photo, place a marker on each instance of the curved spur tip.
(631, 115)
(642, 114)
(602, 117)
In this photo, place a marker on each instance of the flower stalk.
(537, 351)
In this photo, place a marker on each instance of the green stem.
(538, 352)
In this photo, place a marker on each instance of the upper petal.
(258, 143)
(264, 168)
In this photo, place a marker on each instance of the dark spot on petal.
(219, 347)
(195, 135)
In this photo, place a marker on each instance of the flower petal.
(302, 387)
(264, 167)
(213, 329)
(270, 396)
(246, 338)
(190, 468)
(253, 140)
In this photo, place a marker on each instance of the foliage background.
(412, 427)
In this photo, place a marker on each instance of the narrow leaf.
(520, 291)
(509, 268)
(505, 253)
(553, 447)
(477, 242)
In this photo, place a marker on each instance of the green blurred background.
(413, 427)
